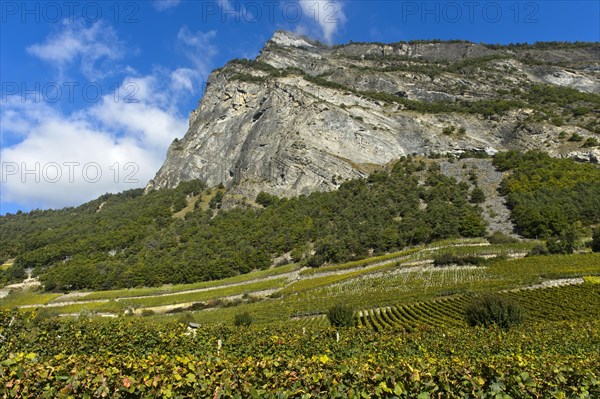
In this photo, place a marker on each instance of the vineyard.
(410, 338)
(285, 292)
(557, 303)
(124, 358)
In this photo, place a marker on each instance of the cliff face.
(306, 117)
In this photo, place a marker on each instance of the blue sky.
(93, 92)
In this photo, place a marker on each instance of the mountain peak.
(306, 117)
(289, 39)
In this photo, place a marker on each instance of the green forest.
(135, 239)
(549, 196)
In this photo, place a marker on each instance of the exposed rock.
(495, 211)
(272, 126)
(592, 156)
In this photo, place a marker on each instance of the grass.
(494, 249)
(316, 282)
(6, 265)
(108, 307)
(204, 295)
(389, 284)
(358, 263)
(535, 269)
(425, 250)
(191, 201)
(23, 298)
(204, 203)
(167, 289)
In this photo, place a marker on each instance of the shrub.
(556, 245)
(538, 249)
(565, 243)
(443, 259)
(179, 204)
(215, 201)
(447, 258)
(315, 261)
(575, 137)
(340, 316)
(242, 319)
(232, 303)
(265, 199)
(493, 309)
(448, 130)
(185, 318)
(297, 254)
(596, 240)
(497, 237)
(477, 196)
(591, 142)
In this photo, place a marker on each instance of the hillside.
(131, 239)
(409, 335)
(389, 220)
(305, 117)
(321, 155)
(408, 220)
(181, 236)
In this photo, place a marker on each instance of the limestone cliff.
(304, 116)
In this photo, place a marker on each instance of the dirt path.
(293, 276)
(395, 260)
(561, 282)
(28, 283)
(167, 308)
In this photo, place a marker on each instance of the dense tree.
(265, 199)
(134, 238)
(596, 240)
(547, 195)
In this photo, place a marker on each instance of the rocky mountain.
(305, 116)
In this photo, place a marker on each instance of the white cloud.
(151, 120)
(183, 79)
(235, 12)
(162, 5)
(109, 134)
(327, 14)
(95, 47)
(106, 137)
(198, 48)
(225, 4)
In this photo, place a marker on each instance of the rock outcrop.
(304, 116)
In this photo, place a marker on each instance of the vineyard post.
(219, 346)
(337, 336)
